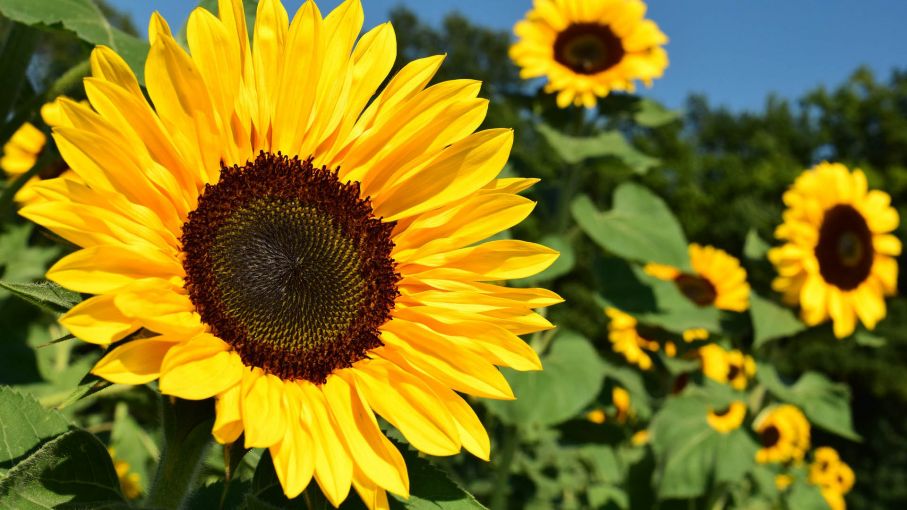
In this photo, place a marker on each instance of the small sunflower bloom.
(587, 48)
(727, 367)
(621, 400)
(783, 481)
(626, 340)
(21, 153)
(728, 419)
(839, 257)
(130, 483)
(640, 438)
(718, 279)
(832, 475)
(784, 434)
(596, 416)
(303, 245)
(695, 334)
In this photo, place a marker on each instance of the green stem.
(502, 473)
(187, 435)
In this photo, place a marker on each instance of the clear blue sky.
(734, 51)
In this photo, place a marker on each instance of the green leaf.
(73, 470)
(24, 425)
(16, 54)
(755, 248)
(639, 227)
(805, 496)
(867, 339)
(770, 321)
(571, 380)
(21, 261)
(651, 113)
(430, 488)
(825, 403)
(574, 150)
(45, 295)
(132, 443)
(86, 20)
(691, 454)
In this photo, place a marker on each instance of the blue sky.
(734, 51)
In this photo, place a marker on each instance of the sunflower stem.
(502, 473)
(187, 435)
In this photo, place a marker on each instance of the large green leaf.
(86, 20)
(650, 113)
(73, 470)
(45, 295)
(770, 321)
(24, 425)
(691, 454)
(15, 54)
(825, 403)
(639, 227)
(20, 261)
(571, 379)
(575, 150)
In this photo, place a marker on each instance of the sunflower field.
(269, 258)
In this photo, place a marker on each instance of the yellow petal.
(294, 461)
(263, 411)
(104, 269)
(333, 462)
(98, 320)
(228, 420)
(404, 400)
(378, 459)
(200, 368)
(135, 362)
(495, 260)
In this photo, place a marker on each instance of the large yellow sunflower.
(21, 153)
(587, 48)
(303, 250)
(838, 259)
(784, 433)
(719, 279)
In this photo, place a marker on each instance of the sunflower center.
(844, 250)
(732, 372)
(769, 436)
(290, 267)
(588, 48)
(696, 289)
(721, 413)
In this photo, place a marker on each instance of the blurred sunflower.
(728, 419)
(784, 433)
(621, 400)
(21, 153)
(832, 475)
(129, 480)
(727, 367)
(719, 280)
(587, 48)
(627, 341)
(305, 253)
(838, 259)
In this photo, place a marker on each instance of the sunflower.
(129, 480)
(587, 48)
(784, 433)
(718, 281)
(727, 367)
(299, 248)
(728, 419)
(830, 473)
(627, 340)
(838, 259)
(21, 153)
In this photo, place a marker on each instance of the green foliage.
(46, 295)
(639, 227)
(86, 20)
(575, 150)
(25, 425)
(71, 470)
(571, 379)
